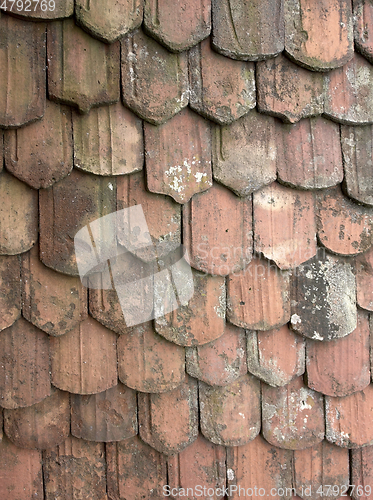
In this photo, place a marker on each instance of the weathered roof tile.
(363, 27)
(10, 290)
(362, 472)
(364, 279)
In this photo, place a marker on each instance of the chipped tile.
(363, 27)
(48, 10)
(10, 290)
(362, 472)
(364, 279)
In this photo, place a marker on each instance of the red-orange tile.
(178, 156)
(41, 153)
(178, 25)
(362, 472)
(244, 153)
(108, 416)
(248, 30)
(288, 91)
(364, 280)
(284, 225)
(342, 366)
(109, 21)
(48, 10)
(221, 361)
(230, 415)
(82, 71)
(24, 365)
(324, 285)
(363, 27)
(258, 296)
(149, 363)
(309, 154)
(277, 356)
(42, 425)
(75, 469)
(343, 226)
(292, 416)
(104, 306)
(84, 361)
(22, 88)
(349, 92)
(202, 319)
(10, 290)
(168, 422)
(211, 75)
(349, 420)
(151, 92)
(18, 215)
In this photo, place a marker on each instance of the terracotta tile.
(244, 153)
(258, 466)
(75, 469)
(178, 156)
(326, 285)
(42, 425)
(67, 207)
(343, 226)
(258, 296)
(319, 35)
(364, 280)
(109, 21)
(362, 472)
(202, 319)
(277, 356)
(322, 465)
(249, 30)
(153, 93)
(149, 363)
(178, 25)
(21, 475)
(363, 27)
(104, 306)
(284, 225)
(357, 147)
(230, 415)
(349, 92)
(134, 470)
(10, 290)
(82, 71)
(221, 361)
(168, 422)
(222, 90)
(18, 215)
(292, 416)
(108, 416)
(84, 361)
(22, 89)
(342, 366)
(288, 91)
(61, 9)
(313, 146)
(24, 365)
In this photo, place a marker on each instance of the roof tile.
(10, 290)
(53, 10)
(84, 361)
(24, 365)
(178, 156)
(340, 367)
(277, 356)
(349, 92)
(153, 93)
(149, 363)
(244, 153)
(288, 91)
(364, 279)
(108, 141)
(82, 71)
(104, 306)
(210, 76)
(178, 25)
(362, 471)
(363, 27)
(108, 416)
(258, 296)
(42, 425)
(168, 422)
(230, 415)
(309, 154)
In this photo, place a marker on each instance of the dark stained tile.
(178, 25)
(293, 416)
(210, 75)
(276, 356)
(248, 30)
(10, 290)
(178, 156)
(48, 10)
(364, 279)
(82, 71)
(362, 472)
(312, 145)
(363, 27)
(244, 153)
(151, 92)
(288, 91)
